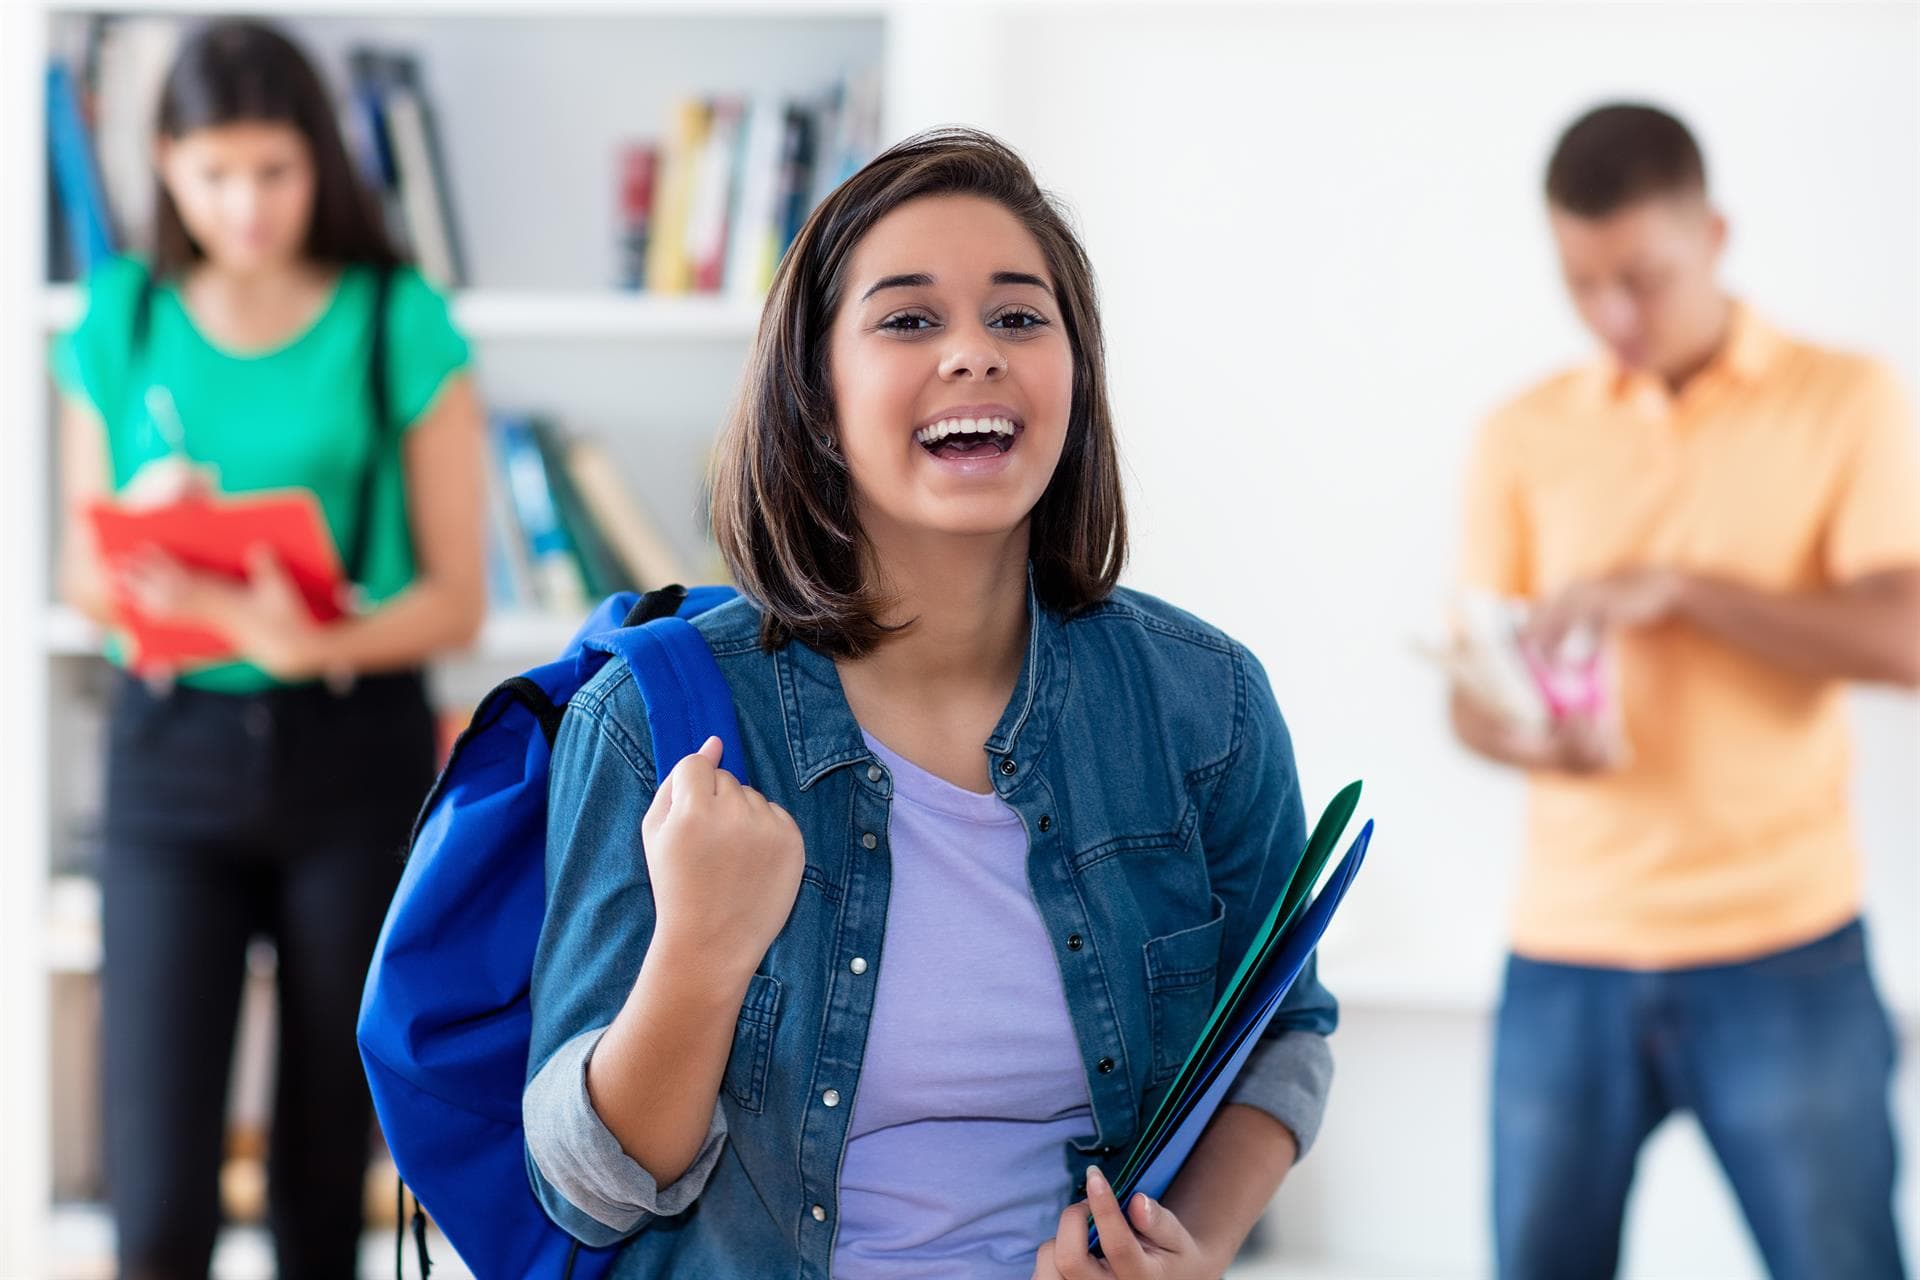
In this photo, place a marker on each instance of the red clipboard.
(215, 535)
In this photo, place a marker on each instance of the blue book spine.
(527, 482)
(74, 173)
(557, 583)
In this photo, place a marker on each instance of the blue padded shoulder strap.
(687, 698)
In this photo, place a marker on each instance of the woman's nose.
(973, 354)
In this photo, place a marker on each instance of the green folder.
(1320, 847)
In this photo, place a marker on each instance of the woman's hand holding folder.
(165, 481)
(199, 577)
(265, 617)
(1145, 1241)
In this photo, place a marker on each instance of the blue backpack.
(444, 1021)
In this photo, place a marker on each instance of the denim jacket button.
(819, 1213)
(831, 1097)
(873, 773)
(1009, 768)
(1046, 824)
(869, 841)
(1075, 942)
(1106, 1066)
(859, 964)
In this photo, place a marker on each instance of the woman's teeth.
(933, 435)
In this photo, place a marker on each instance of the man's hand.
(1577, 743)
(1635, 598)
(1585, 744)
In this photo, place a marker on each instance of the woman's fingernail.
(1095, 1178)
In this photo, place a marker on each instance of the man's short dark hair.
(1618, 154)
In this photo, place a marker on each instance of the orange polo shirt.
(1782, 466)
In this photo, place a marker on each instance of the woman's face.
(244, 191)
(952, 374)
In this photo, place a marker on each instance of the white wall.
(1323, 259)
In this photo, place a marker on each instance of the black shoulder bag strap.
(356, 557)
(142, 317)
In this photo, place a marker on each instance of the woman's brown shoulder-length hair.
(782, 505)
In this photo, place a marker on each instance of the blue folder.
(1244, 1012)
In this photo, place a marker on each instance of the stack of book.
(712, 206)
(392, 135)
(563, 529)
(103, 87)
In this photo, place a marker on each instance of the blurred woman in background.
(272, 341)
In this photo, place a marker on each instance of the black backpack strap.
(140, 325)
(419, 1233)
(356, 558)
(662, 602)
(142, 316)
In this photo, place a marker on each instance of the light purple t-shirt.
(972, 1083)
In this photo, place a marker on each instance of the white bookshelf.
(529, 315)
(533, 100)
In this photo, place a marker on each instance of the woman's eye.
(1018, 320)
(907, 323)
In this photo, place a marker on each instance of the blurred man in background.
(1736, 513)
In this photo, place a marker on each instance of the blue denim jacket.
(1142, 749)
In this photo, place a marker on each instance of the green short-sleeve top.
(298, 415)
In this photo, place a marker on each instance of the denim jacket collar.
(822, 734)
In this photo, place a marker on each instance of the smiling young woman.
(877, 1014)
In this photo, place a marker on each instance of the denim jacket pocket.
(746, 1078)
(1182, 969)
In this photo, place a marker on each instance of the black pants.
(283, 814)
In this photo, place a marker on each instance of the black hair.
(1620, 153)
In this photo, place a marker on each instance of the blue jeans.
(1785, 1061)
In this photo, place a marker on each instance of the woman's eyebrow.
(1021, 277)
(920, 279)
(914, 280)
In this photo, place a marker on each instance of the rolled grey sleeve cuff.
(1288, 1078)
(582, 1160)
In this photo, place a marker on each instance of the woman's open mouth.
(968, 439)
